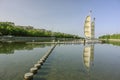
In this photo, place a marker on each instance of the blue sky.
(63, 15)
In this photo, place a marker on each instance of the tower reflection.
(88, 56)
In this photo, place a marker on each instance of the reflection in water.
(113, 43)
(19, 59)
(75, 62)
(9, 48)
(88, 56)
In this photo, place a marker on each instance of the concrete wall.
(30, 39)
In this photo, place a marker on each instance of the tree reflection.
(9, 48)
(113, 43)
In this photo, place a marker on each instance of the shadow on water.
(43, 71)
(40, 79)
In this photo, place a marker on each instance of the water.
(78, 62)
(17, 59)
(66, 62)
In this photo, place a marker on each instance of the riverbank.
(10, 39)
(45, 40)
(59, 42)
(75, 41)
(110, 40)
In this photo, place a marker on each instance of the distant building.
(89, 28)
(93, 29)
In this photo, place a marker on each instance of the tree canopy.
(112, 36)
(9, 28)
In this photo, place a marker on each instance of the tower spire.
(90, 12)
(94, 19)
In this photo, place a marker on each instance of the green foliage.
(113, 36)
(9, 48)
(112, 42)
(9, 28)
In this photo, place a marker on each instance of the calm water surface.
(79, 62)
(17, 59)
(67, 62)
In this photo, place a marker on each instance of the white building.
(89, 28)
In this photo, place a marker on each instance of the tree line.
(9, 28)
(112, 36)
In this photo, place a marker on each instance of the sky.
(66, 16)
